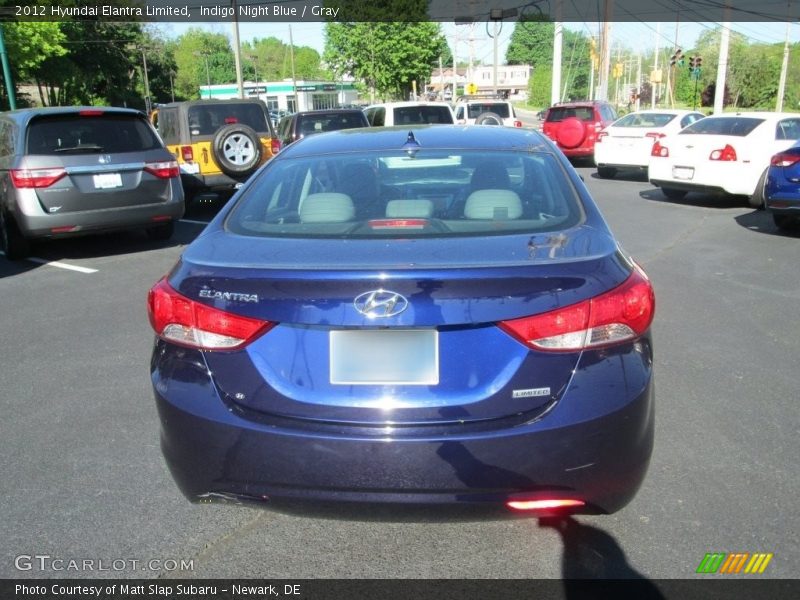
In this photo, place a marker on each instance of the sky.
(631, 34)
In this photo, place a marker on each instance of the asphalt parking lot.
(83, 478)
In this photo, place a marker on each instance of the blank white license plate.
(682, 172)
(385, 356)
(103, 181)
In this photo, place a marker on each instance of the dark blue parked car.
(435, 315)
(782, 189)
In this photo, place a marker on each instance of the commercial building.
(287, 95)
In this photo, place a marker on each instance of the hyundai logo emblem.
(380, 303)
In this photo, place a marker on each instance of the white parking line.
(194, 222)
(55, 263)
(61, 265)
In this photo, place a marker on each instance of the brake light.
(231, 120)
(163, 170)
(90, 113)
(784, 159)
(598, 126)
(178, 319)
(617, 316)
(36, 178)
(549, 504)
(517, 123)
(725, 154)
(600, 136)
(659, 150)
(275, 145)
(655, 135)
(398, 223)
(187, 154)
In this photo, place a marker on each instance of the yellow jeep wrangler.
(218, 143)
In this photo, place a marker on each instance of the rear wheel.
(161, 232)
(12, 242)
(673, 194)
(606, 172)
(757, 199)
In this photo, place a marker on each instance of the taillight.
(178, 319)
(187, 153)
(517, 123)
(36, 178)
(90, 113)
(659, 150)
(550, 504)
(784, 159)
(163, 170)
(725, 154)
(275, 145)
(655, 135)
(616, 316)
(601, 135)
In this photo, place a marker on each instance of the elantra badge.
(380, 303)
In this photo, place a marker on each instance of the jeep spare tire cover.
(488, 118)
(237, 149)
(571, 132)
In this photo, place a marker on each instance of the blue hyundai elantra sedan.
(782, 188)
(434, 315)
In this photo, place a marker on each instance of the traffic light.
(695, 63)
(617, 70)
(676, 58)
(593, 52)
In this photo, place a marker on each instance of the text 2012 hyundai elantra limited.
(435, 315)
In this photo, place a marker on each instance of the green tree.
(200, 57)
(28, 46)
(384, 57)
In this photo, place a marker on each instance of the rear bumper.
(38, 224)
(587, 447)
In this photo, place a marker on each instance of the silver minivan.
(67, 171)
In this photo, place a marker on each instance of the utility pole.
(722, 67)
(494, 68)
(294, 79)
(555, 85)
(653, 84)
(605, 51)
(237, 50)
(784, 69)
(147, 101)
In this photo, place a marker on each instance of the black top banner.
(461, 11)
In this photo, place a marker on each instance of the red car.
(574, 126)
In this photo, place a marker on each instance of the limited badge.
(531, 393)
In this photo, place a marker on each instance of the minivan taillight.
(180, 320)
(163, 170)
(36, 178)
(619, 315)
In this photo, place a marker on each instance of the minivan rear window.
(92, 133)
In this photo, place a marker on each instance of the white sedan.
(627, 142)
(723, 154)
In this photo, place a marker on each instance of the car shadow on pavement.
(640, 176)
(109, 244)
(696, 199)
(589, 554)
(761, 221)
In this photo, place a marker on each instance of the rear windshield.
(206, 119)
(735, 126)
(308, 124)
(103, 132)
(501, 109)
(436, 193)
(645, 120)
(404, 115)
(560, 113)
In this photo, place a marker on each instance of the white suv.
(409, 113)
(486, 111)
